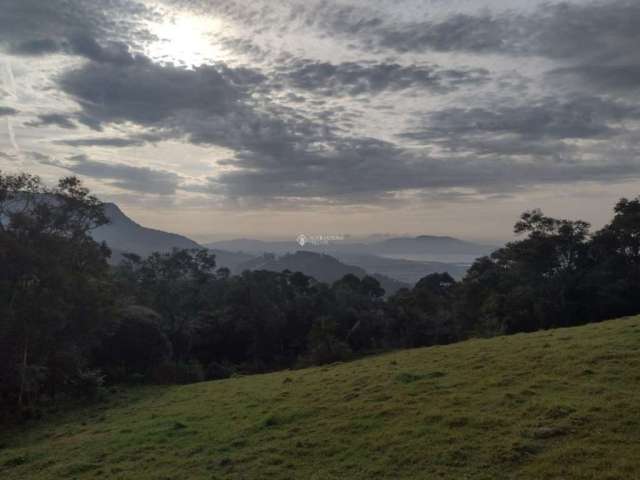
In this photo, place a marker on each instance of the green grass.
(561, 404)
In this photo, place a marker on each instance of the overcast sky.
(267, 118)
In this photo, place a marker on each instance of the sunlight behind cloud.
(185, 39)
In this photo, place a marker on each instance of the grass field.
(561, 404)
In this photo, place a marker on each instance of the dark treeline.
(69, 322)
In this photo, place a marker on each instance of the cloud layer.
(336, 103)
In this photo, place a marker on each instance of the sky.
(263, 118)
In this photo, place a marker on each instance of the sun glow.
(186, 39)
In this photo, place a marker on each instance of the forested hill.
(323, 268)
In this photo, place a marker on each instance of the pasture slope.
(557, 404)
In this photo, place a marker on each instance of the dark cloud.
(460, 32)
(137, 179)
(147, 93)
(603, 78)
(36, 47)
(207, 104)
(349, 168)
(34, 27)
(352, 78)
(6, 111)
(111, 52)
(56, 119)
(594, 30)
(367, 171)
(104, 142)
(549, 118)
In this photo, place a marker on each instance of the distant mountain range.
(407, 271)
(424, 244)
(326, 263)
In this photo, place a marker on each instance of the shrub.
(329, 352)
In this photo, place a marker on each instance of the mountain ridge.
(126, 235)
(396, 245)
(331, 262)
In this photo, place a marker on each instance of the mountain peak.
(125, 235)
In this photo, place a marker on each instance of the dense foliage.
(55, 288)
(69, 322)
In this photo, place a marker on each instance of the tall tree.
(53, 285)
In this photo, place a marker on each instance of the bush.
(330, 351)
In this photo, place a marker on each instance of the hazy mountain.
(407, 271)
(234, 261)
(258, 247)
(424, 244)
(326, 263)
(124, 235)
(323, 268)
(430, 244)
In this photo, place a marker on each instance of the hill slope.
(553, 404)
(124, 235)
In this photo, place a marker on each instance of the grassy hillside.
(556, 404)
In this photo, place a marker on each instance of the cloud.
(112, 52)
(546, 118)
(595, 30)
(104, 142)
(34, 27)
(207, 105)
(137, 179)
(351, 78)
(282, 156)
(57, 119)
(7, 111)
(603, 78)
(461, 32)
(304, 130)
(147, 93)
(592, 32)
(374, 180)
(36, 47)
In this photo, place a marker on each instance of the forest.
(71, 324)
